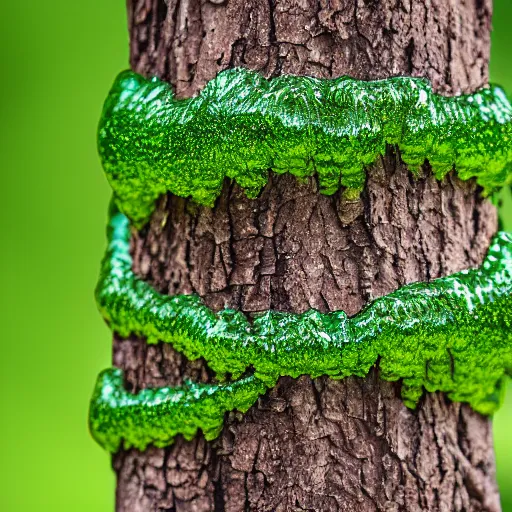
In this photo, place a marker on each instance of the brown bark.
(319, 444)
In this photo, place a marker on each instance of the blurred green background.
(58, 64)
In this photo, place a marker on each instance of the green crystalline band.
(241, 125)
(453, 335)
(155, 416)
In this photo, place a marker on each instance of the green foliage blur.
(58, 61)
(501, 73)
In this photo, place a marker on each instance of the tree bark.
(318, 445)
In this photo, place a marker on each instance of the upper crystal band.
(241, 126)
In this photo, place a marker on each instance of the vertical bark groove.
(319, 445)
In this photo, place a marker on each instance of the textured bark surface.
(317, 445)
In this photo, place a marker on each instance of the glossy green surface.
(452, 335)
(156, 416)
(241, 125)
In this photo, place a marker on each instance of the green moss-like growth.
(453, 334)
(241, 125)
(156, 416)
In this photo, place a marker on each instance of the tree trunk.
(319, 445)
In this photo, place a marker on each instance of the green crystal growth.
(156, 416)
(241, 125)
(453, 335)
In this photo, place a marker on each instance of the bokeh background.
(58, 61)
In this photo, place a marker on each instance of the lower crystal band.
(156, 416)
(453, 335)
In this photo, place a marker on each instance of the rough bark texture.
(317, 445)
